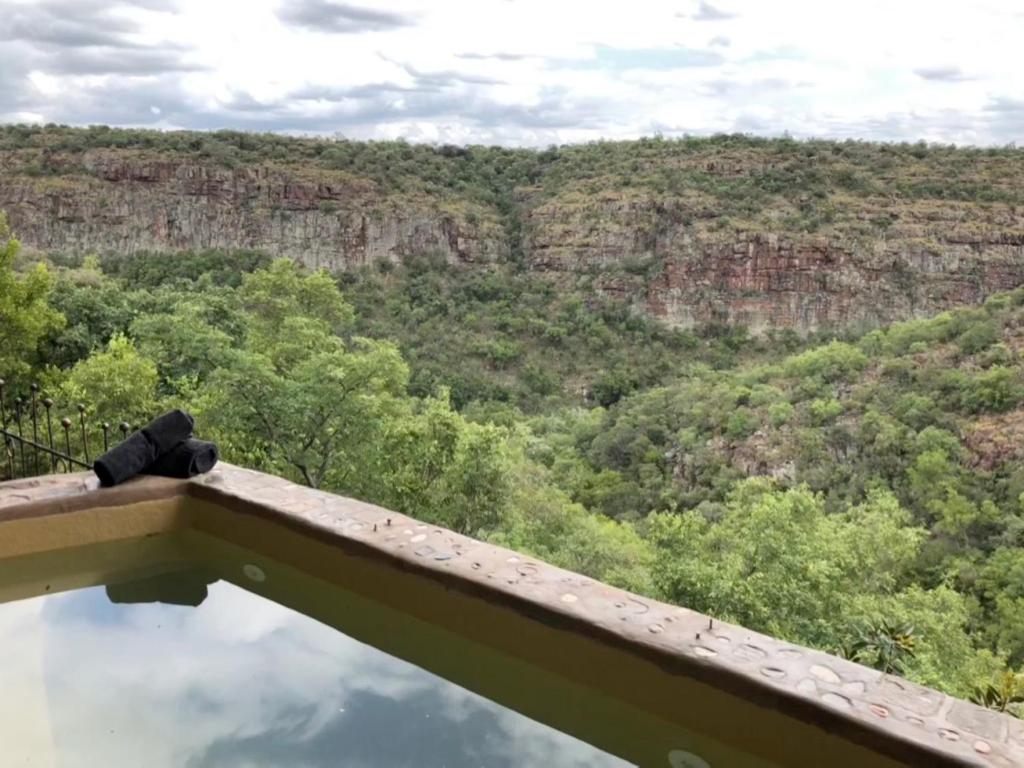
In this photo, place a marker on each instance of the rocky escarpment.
(694, 251)
(126, 203)
(669, 258)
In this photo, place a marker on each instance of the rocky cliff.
(767, 234)
(126, 203)
(674, 265)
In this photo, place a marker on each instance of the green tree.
(25, 314)
(116, 384)
(318, 418)
(777, 562)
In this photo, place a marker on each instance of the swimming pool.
(542, 666)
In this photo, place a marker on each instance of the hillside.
(778, 463)
(767, 234)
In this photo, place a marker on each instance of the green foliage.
(94, 311)
(978, 337)
(1005, 694)
(778, 562)
(150, 270)
(885, 646)
(570, 428)
(833, 362)
(116, 384)
(495, 334)
(997, 389)
(26, 316)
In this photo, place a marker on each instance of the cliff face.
(126, 204)
(674, 265)
(680, 253)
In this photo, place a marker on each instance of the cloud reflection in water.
(239, 682)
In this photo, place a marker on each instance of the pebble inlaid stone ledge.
(881, 711)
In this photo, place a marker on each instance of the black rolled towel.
(165, 432)
(126, 460)
(142, 448)
(190, 458)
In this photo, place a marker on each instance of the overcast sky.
(530, 72)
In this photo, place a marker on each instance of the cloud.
(524, 72)
(77, 23)
(675, 57)
(89, 37)
(363, 109)
(134, 62)
(339, 18)
(446, 78)
(748, 88)
(1003, 104)
(708, 12)
(500, 56)
(950, 74)
(253, 684)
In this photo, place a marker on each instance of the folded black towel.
(165, 432)
(142, 448)
(126, 460)
(188, 459)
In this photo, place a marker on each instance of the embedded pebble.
(835, 700)
(825, 674)
(748, 651)
(807, 686)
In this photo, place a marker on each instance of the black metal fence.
(36, 440)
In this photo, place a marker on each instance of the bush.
(836, 361)
(997, 389)
(977, 338)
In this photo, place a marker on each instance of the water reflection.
(235, 682)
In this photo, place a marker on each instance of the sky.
(522, 72)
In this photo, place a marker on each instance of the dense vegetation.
(862, 495)
(729, 181)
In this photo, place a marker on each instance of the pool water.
(105, 676)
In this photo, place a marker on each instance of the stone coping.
(890, 715)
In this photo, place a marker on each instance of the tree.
(116, 384)
(25, 314)
(318, 418)
(778, 563)
(185, 347)
(442, 468)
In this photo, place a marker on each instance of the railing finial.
(22, 453)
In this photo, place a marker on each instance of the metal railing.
(34, 444)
